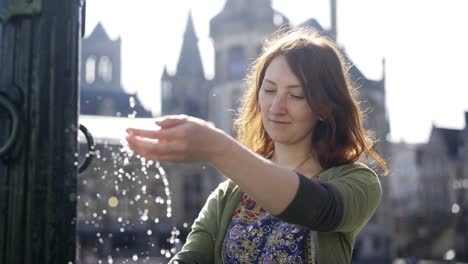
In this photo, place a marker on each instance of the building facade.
(442, 223)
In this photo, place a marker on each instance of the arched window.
(90, 70)
(105, 69)
(237, 63)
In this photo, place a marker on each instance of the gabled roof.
(99, 33)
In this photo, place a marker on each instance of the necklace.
(302, 163)
(315, 176)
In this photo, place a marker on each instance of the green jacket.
(360, 189)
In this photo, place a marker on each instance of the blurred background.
(144, 58)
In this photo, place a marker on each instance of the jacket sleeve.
(361, 193)
(342, 204)
(199, 247)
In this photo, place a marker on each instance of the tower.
(101, 61)
(101, 91)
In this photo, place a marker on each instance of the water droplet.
(455, 208)
(149, 232)
(122, 229)
(450, 255)
(113, 202)
(135, 257)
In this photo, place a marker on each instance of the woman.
(296, 192)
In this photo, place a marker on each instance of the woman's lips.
(280, 122)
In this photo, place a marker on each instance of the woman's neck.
(296, 158)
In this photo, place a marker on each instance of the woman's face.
(286, 115)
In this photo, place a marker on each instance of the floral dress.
(255, 236)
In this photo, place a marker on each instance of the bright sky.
(424, 42)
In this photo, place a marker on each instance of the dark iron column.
(39, 49)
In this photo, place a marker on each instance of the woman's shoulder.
(226, 189)
(358, 171)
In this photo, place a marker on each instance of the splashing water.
(119, 198)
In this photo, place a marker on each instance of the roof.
(99, 33)
(452, 139)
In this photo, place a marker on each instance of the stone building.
(442, 163)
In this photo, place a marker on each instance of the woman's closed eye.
(273, 90)
(299, 97)
(269, 90)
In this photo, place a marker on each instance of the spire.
(189, 28)
(190, 64)
(333, 24)
(165, 75)
(466, 120)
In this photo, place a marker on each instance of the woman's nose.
(279, 105)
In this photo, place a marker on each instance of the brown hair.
(339, 137)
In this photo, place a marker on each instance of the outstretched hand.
(179, 138)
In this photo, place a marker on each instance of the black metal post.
(39, 49)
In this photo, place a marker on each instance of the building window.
(237, 63)
(90, 71)
(105, 69)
